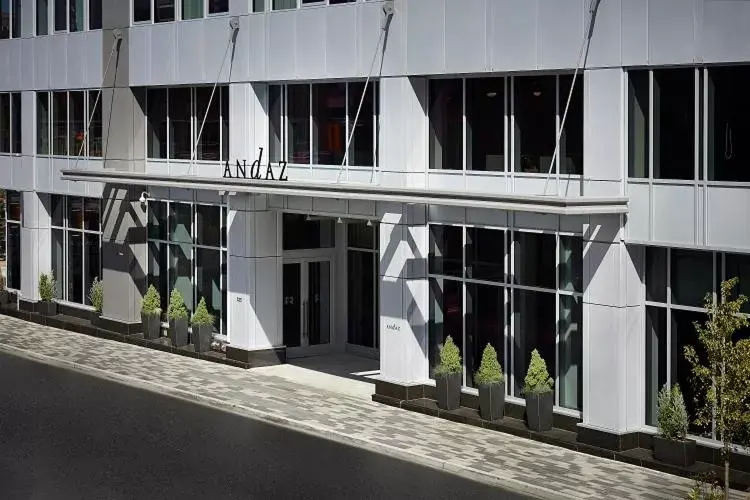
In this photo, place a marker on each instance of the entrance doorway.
(307, 306)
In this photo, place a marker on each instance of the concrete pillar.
(404, 306)
(36, 243)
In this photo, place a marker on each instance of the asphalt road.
(65, 435)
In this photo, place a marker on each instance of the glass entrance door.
(307, 306)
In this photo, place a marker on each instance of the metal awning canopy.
(572, 205)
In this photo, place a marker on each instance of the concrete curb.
(493, 479)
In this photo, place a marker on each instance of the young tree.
(721, 373)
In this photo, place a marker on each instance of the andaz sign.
(254, 170)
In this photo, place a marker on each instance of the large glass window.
(192, 9)
(180, 120)
(10, 19)
(728, 129)
(301, 232)
(42, 123)
(639, 132)
(187, 253)
(76, 131)
(163, 11)
(4, 19)
(141, 10)
(13, 221)
(311, 124)
(10, 122)
(42, 17)
(61, 15)
(60, 123)
(535, 114)
(485, 124)
(446, 124)
(674, 124)
(62, 120)
(76, 246)
(479, 298)
(76, 15)
(94, 114)
(95, 14)
(166, 10)
(363, 317)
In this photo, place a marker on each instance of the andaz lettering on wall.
(241, 171)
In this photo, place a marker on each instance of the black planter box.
(448, 388)
(492, 401)
(539, 411)
(47, 308)
(201, 337)
(151, 326)
(178, 332)
(673, 452)
(4, 297)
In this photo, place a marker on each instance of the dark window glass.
(738, 266)
(180, 222)
(58, 262)
(656, 358)
(91, 214)
(683, 334)
(534, 259)
(192, 9)
(292, 308)
(298, 123)
(157, 123)
(157, 270)
(60, 123)
(141, 10)
(4, 123)
(485, 254)
(485, 324)
(361, 298)
(61, 15)
(728, 129)
(42, 123)
(674, 124)
(691, 277)
(76, 128)
(362, 148)
(299, 233)
(180, 147)
(209, 146)
(224, 123)
(208, 281)
(13, 270)
(571, 263)
(16, 20)
(485, 124)
(208, 225)
(536, 127)
(15, 127)
(656, 274)
(446, 250)
(157, 220)
(534, 329)
(57, 210)
(75, 212)
(283, 4)
(329, 123)
(570, 378)
(275, 138)
(95, 127)
(181, 272)
(42, 17)
(217, 6)
(224, 228)
(446, 317)
(13, 201)
(75, 267)
(95, 14)
(446, 124)
(335, 2)
(163, 11)
(571, 140)
(259, 5)
(93, 263)
(4, 19)
(360, 235)
(76, 15)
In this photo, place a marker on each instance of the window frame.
(15, 137)
(88, 102)
(14, 21)
(19, 224)
(51, 12)
(178, 13)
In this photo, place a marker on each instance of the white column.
(35, 243)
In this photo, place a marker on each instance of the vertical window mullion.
(346, 122)
(310, 125)
(696, 124)
(651, 125)
(557, 314)
(506, 126)
(284, 125)
(512, 128)
(558, 124)
(169, 132)
(668, 352)
(463, 305)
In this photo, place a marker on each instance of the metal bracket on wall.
(117, 34)
(234, 23)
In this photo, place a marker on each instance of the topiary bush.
(201, 316)
(176, 309)
(47, 287)
(151, 304)
(671, 414)
(537, 379)
(490, 371)
(450, 358)
(96, 294)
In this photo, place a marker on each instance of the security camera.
(143, 198)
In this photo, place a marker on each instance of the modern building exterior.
(373, 176)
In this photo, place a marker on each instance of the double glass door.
(307, 306)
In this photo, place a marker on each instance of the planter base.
(492, 401)
(201, 337)
(47, 308)
(680, 453)
(448, 387)
(151, 326)
(539, 411)
(178, 332)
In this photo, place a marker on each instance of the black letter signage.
(255, 170)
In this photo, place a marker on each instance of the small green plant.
(537, 379)
(151, 304)
(176, 309)
(450, 358)
(706, 487)
(47, 287)
(490, 371)
(96, 294)
(201, 316)
(671, 414)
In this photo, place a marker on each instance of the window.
(63, 124)
(362, 284)
(10, 123)
(259, 5)
(299, 233)
(485, 124)
(95, 14)
(639, 132)
(76, 15)
(10, 19)
(69, 15)
(446, 124)
(188, 253)
(166, 10)
(192, 9)
(141, 10)
(42, 17)
(311, 124)
(163, 11)
(76, 246)
(729, 105)
(218, 6)
(13, 220)
(284, 4)
(175, 119)
(478, 298)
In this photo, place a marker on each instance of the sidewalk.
(526, 466)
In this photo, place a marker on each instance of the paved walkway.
(527, 466)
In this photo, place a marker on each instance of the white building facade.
(568, 176)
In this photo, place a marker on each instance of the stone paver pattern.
(537, 468)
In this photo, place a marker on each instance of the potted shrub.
(151, 314)
(448, 376)
(670, 445)
(96, 296)
(538, 387)
(177, 316)
(47, 304)
(491, 383)
(203, 326)
(4, 294)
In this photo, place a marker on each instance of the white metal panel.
(466, 36)
(674, 214)
(560, 29)
(40, 62)
(240, 297)
(310, 43)
(368, 32)
(193, 48)
(76, 66)
(27, 68)
(425, 36)
(161, 51)
(728, 217)
(639, 218)
(341, 40)
(139, 60)
(42, 165)
(23, 173)
(606, 37)
(634, 31)
(58, 62)
(723, 31)
(671, 31)
(603, 122)
(267, 309)
(215, 44)
(16, 63)
(281, 36)
(514, 34)
(94, 62)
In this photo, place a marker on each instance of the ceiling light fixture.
(339, 221)
(491, 94)
(369, 223)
